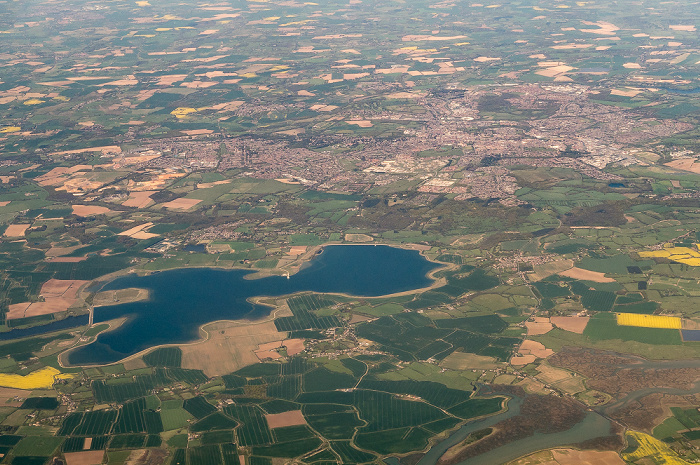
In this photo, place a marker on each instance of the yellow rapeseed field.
(40, 379)
(9, 129)
(684, 255)
(650, 447)
(648, 321)
(182, 112)
(33, 101)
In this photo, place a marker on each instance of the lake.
(182, 300)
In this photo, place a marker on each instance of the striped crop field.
(39, 379)
(648, 321)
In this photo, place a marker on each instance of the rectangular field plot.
(96, 423)
(117, 390)
(349, 454)
(254, 430)
(198, 407)
(302, 307)
(37, 446)
(164, 357)
(204, 455)
(384, 411)
(288, 387)
(435, 393)
(135, 418)
(648, 321)
(215, 421)
(174, 418)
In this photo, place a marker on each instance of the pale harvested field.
(287, 180)
(682, 27)
(79, 183)
(280, 420)
(575, 324)
(267, 350)
(16, 230)
(207, 185)
(589, 457)
(685, 164)
(230, 346)
(120, 162)
(181, 204)
(554, 70)
(8, 395)
(58, 251)
(521, 360)
(463, 361)
(361, 123)
(62, 287)
(539, 326)
(358, 238)
(415, 37)
(294, 346)
(571, 46)
(350, 76)
(421, 247)
(532, 386)
(52, 305)
(529, 347)
(625, 93)
(561, 379)
(297, 250)
(57, 175)
(405, 95)
(320, 107)
(139, 199)
(59, 296)
(17, 310)
(134, 364)
(267, 355)
(549, 64)
(104, 149)
(5, 203)
(604, 28)
(570, 457)
(138, 232)
(548, 269)
(88, 457)
(586, 275)
(359, 318)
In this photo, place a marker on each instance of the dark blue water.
(616, 184)
(691, 334)
(183, 300)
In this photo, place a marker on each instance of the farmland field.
(533, 166)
